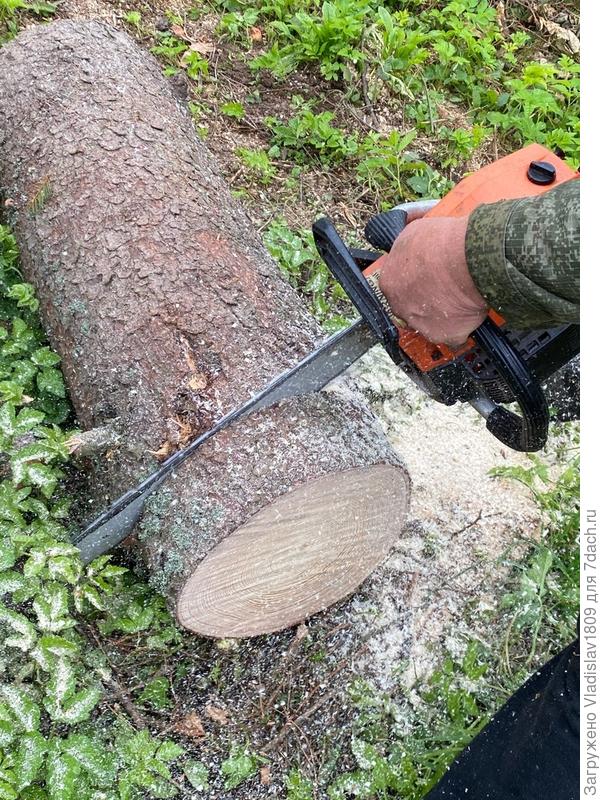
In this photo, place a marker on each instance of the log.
(167, 313)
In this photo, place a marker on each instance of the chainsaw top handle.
(526, 433)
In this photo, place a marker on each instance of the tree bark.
(167, 313)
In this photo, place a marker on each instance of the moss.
(77, 307)
(173, 564)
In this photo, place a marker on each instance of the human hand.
(427, 283)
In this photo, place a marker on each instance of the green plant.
(11, 12)
(461, 143)
(239, 766)
(542, 105)
(404, 751)
(544, 601)
(393, 173)
(331, 39)
(312, 136)
(234, 109)
(299, 260)
(298, 787)
(258, 164)
(170, 50)
(133, 18)
(54, 677)
(236, 24)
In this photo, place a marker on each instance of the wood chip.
(301, 632)
(218, 715)
(198, 382)
(190, 726)
(265, 775)
(164, 451)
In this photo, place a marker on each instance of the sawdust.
(462, 520)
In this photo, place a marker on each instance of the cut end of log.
(305, 551)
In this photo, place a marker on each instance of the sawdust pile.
(462, 522)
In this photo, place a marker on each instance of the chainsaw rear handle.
(526, 433)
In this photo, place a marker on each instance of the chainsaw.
(495, 367)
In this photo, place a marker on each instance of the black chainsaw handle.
(526, 433)
(344, 268)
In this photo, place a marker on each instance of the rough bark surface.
(161, 300)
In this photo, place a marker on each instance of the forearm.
(523, 256)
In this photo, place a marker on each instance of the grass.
(342, 107)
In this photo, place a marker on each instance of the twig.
(316, 705)
(469, 525)
(125, 698)
(274, 743)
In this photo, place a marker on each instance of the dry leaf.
(178, 31)
(198, 382)
(565, 34)
(256, 34)
(206, 48)
(190, 726)
(265, 775)
(163, 451)
(217, 714)
(301, 632)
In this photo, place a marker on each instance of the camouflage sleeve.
(524, 257)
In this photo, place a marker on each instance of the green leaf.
(92, 756)
(7, 733)
(298, 787)
(27, 419)
(156, 693)
(11, 581)
(29, 758)
(238, 767)
(52, 608)
(23, 293)
(233, 109)
(44, 357)
(61, 773)
(58, 646)
(8, 554)
(24, 632)
(11, 392)
(24, 710)
(7, 419)
(7, 792)
(62, 702)
(51, 381)
(168, 751)
(197, 774)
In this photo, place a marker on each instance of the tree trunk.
(167, 313)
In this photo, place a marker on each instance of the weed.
(134, 18)
(53, 680)
(300, 262)
(233, 109)
(312, 136)
(331, 39)
(258, 164)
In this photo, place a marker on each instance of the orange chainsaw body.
(505, 179)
